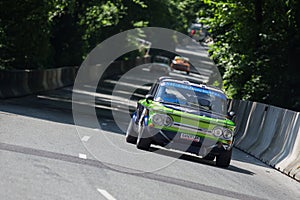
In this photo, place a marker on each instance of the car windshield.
(196, 26)
(191, 96)
(160, 59)
(184, 59)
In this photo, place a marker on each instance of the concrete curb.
(16, 83)
(270, 134)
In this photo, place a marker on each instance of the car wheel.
(209, 157)
(143, 140)
(223, 160)
(187, 72)
(131, 136)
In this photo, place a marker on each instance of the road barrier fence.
(270, 134)
(16, 83)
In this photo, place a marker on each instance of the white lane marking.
(106, 194)
(85, 138)
(83, 156)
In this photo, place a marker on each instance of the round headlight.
(162, 120)
(158, 120)
(168, 121)
(217, 132)
(227, 134)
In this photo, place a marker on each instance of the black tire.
(223, 160)
(188, 73)
(209, 156)
(131, 135)
(143, 140)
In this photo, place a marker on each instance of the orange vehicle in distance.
(181, 63)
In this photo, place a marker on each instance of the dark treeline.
(256, 43)
(257, 48)
(48, 33)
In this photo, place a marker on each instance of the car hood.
(195, 114)
(195, 111)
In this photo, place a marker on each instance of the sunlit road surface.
(45, 156)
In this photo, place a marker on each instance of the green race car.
(178, 114)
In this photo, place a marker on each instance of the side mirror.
(231, 114)
(149, 97)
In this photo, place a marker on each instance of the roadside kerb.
(281, 140)
(270, 134)
(16, 83)
(290, 165)
(242, 121)
(255, 119)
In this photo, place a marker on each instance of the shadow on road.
(124, 170)
(197, 159)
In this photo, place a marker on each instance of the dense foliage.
(47, 33)
(256, 43)
(257, 47)
(24, 33)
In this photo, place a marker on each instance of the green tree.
(66, 32)
(54, 33)
(256, 48)
(24, 34)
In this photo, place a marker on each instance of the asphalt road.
(45, 155)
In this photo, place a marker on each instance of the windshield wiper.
(171, 103)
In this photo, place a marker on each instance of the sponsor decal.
(189, 137)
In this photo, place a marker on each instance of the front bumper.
(200, 145)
